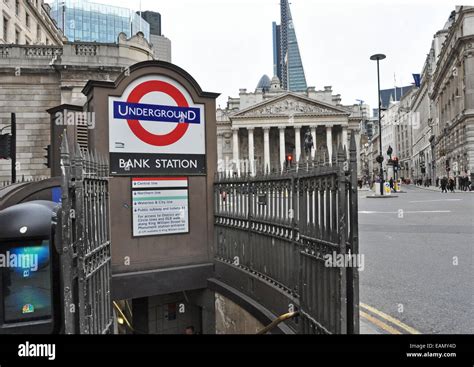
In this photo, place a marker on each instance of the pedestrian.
(437, 181)
(444, 183)
(391, 184)
(451, 185)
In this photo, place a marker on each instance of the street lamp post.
(378, 57)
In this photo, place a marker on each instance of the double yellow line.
(384, 321)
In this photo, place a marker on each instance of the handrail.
(278, 321)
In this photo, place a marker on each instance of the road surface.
(419, 262)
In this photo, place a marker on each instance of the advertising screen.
(26, 278)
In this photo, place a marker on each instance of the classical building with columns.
(265, 130)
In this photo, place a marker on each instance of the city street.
(419, 263)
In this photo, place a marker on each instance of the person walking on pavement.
(451, 185)
(391, 184)
(444, 183)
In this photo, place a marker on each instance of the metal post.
(13, 148)
(380, 129)
(379, 57)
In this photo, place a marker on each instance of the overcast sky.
(227, 44)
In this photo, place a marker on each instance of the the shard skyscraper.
(287, 62)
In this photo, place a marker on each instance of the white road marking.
(408, 212)
(434, 201)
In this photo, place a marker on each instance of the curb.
(381, 197)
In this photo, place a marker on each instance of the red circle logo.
(144, 135)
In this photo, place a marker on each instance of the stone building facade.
(161, 47)
(397, 124)
(34, 79)
(423, 109)
(265, 130)
(27, 22)
(453, 97)
(404, 134)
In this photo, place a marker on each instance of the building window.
(17, 37)
(17, 8)
(27, 20)
(38, 33)
(5, 30)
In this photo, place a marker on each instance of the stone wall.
(232, 319)
(29, 96)
(34, 79)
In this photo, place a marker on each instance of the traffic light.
(48, 156)
(5, 146)
(289, 160)
(423, 167)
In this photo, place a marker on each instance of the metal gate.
(84, 235)
(284, 228)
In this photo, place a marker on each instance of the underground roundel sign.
(156, 128)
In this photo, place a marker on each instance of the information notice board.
(160, 206)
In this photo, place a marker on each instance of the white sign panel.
(156, 128)
(160, 212)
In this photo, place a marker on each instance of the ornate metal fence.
(85, 239)
(293, 230)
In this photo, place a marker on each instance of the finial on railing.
(341, 156)
(334, 154)
(353, 147)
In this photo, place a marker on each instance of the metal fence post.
(342, 232)
(64, 238)
(353, 273)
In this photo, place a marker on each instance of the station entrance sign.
(155, 128)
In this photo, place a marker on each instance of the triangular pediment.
(291, 104)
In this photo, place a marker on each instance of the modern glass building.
(81, 20)
(287, 62)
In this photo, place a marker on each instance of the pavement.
(437, 189)
(419, 263)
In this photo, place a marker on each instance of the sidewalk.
(438, 189)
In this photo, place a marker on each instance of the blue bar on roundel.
(157, 113)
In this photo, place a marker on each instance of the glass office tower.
(286, 53)
(86, 21)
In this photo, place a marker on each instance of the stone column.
(235, 146)
(315, 147)
(220, 154)
(282, 147)
(251, 151)
(329, 141)
(266, 149)
(298, 143)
